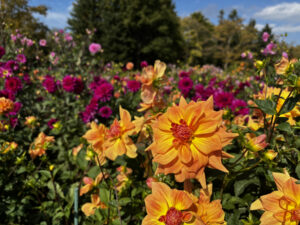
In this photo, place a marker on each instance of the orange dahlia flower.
(117, 140)
(6, 105)
(90, 183)
(285, 67)
(151, 73)
(188, 138)
(96, 136)
(123, 177)
(282, 206)
(268, 92)
(256, 144)
(40, 145)
(150, 94)
(167, 206)
(89, 208)
(208, 212)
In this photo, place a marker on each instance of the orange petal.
(185, 154)
(162, 191)
(270, 201)
(291, 190)
(201, 178)
(167, 157)
(182, 102)
(198, 156)
(268, 218)
(88, 209)
(280, 179)
(207, 145)
(181, 201)
(174, 114)
(149, 220)
(256, 205)
(156, 206)
(187, 216)
(214, 161)
(164, 123)
(209, 104)
(206, 126)
(172, 167)
(86, 188)
(130, 147)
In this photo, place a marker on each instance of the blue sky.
(283, 16)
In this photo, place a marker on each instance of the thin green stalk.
(115, 189)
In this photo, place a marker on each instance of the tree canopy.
(131, 30)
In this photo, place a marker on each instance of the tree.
(132, 30)
(232, 38)
(17, 14)
(197, 32)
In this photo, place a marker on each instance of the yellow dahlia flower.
(6, 105)
(166, 206)
(188, 138)
(282, 206)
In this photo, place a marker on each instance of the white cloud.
(70, 8)
(259, 26)
(56, 16)
(54, 19)
(283, 12)
(286, 28)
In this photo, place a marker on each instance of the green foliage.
(17, 14)
(130, 30)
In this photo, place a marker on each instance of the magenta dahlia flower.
(13, 84)
(223, 99)
(49, 84)
(133, 85)
(51, 122)
(68, 83)
(104, 92)
(105, 111)
(2, 51)
(183, 74)
(144, 64)
(185, 85)
(239, 107)
(79, 86)
(21, 58)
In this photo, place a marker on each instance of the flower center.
(115, 129)
(173, 217)
(181, 131)
(296, 215)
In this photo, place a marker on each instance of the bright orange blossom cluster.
(188, 138)
(167, 206)
(114, 141)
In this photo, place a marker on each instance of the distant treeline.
(138, 30)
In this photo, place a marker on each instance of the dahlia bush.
(88, 142)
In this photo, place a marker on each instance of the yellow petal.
(88, 209)
(256, 205)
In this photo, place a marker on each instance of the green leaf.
(298, 170)
(124, 201)
(285, 127)
(268, 106)
(104, 195)
(241, 185)
(289, 104)
(45, 173)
